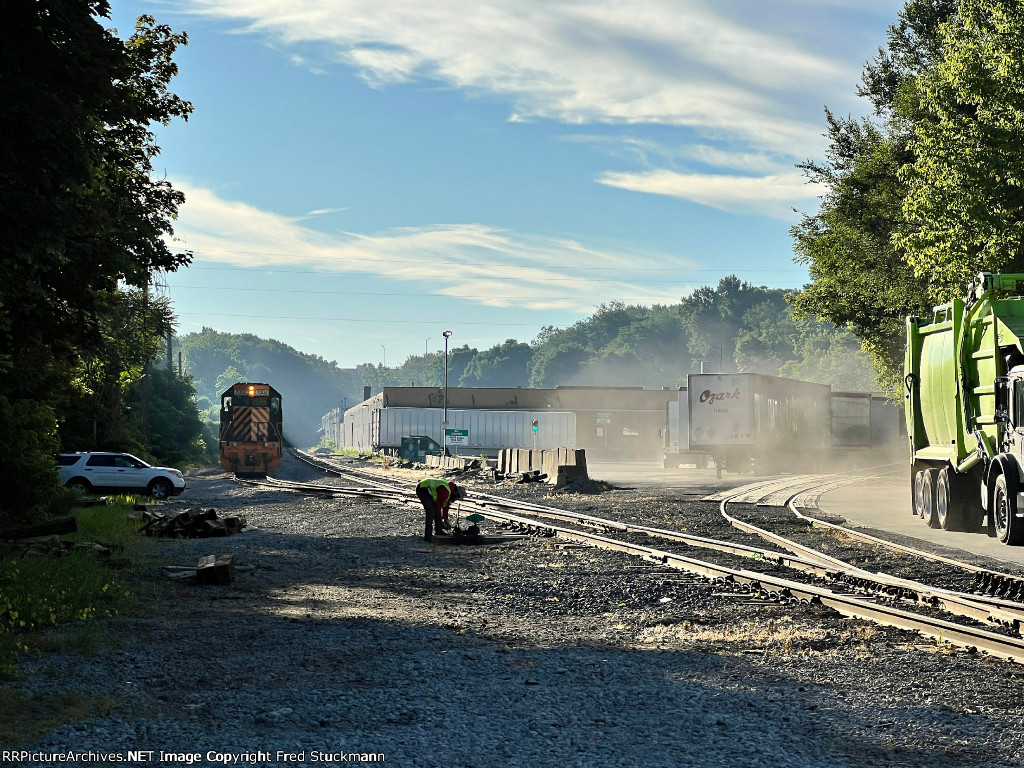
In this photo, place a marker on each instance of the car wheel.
(78, 485)
(160, 489)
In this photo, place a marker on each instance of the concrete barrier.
(569, 463)
(457, 462)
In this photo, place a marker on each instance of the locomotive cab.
(251, 440)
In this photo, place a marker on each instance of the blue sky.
(363, 174)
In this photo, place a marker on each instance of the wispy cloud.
(772, 195)
(666, 62)
(481, 264)
(325, 211)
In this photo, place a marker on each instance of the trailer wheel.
(1009, 527)
(929, 480)
(950, 500)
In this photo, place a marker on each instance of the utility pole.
(444, 423)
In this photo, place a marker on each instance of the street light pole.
(385, 363)
(444, 423)
(425, 342)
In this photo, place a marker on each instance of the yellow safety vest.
(432, 484)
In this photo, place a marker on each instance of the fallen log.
(57, 527)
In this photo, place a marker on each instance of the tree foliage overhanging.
(928, 190)
(84, 224)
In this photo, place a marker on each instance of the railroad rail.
(993, 583)
(877, 607)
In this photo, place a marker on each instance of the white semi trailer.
(751, 422)
(486, 431)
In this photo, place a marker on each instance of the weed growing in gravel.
(774, 637)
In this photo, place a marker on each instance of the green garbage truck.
(964, 379)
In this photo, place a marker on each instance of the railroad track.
(987, 581)
(827, 581)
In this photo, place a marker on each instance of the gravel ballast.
(346, 636)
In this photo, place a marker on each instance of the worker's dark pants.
(430, 507)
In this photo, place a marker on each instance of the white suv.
(117, 472)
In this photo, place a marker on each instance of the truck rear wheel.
(1009, 527)
(951, 501)
(929, 480)
(918, 506)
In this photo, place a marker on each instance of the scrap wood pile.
(196, 523)
(40, 539)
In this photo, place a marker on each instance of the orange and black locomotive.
(250, 429)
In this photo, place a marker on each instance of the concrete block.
(565, 474)
(216, 569)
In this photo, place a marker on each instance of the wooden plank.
(59, 526)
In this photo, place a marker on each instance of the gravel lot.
(351, 636)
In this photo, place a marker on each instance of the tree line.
(83, 225)
(732, 327)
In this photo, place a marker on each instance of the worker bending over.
(437, 496)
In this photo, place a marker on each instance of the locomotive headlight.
(252, 391)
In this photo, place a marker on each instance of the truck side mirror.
(1002, 395)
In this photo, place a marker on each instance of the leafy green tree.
(231, 375)
(965, 202)
(26, 463)
(503, 365)
(208, 355)
(422, 370)
(657, 341)
(459, 359)
(81, 209)
(860, 279)
(766, 339)
(177, 436)
(713, 318)
(131, 327)
(557, 361)
(82, 213)
(831, 356)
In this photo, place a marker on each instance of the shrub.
(28, 473)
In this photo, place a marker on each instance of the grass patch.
(38, 594)
(774, 637)
(51, 605)
(24, 718)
